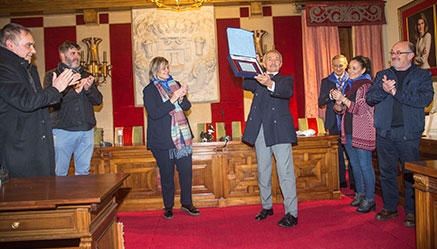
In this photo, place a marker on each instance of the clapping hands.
(66, 78)
(84, 83)
(179, 94)
(389, 85)
(337, 96)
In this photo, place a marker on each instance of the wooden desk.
(223, 176)
(53, 212)
(425, 184)
(428, 147)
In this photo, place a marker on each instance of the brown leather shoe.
(386, 214)
(410, 220)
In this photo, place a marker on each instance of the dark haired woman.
(358, 132)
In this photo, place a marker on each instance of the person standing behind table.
(400, 94)
(270, 128)
(26, 147)
(423, 42)
(169, 134)
(336, 81)
(357, 131)
(73, 119)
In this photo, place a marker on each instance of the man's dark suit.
(325, 100)
(271, 109)
(331, 125)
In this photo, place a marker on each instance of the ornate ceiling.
(28, 7)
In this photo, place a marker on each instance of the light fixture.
(178, 5)
(92, 64)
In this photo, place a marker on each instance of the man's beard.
(70, 63)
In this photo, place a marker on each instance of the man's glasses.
(398, 52)
(337, 65)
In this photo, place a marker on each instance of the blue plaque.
(242, 55)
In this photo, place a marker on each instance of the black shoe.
(410, 220)
(366, 206)
(288, 221)
(264, 213)
(386, 214)
(168, 213)
(357, 200)
(191, 210)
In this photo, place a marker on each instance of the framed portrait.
(417, 23)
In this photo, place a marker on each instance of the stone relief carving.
(187, 40)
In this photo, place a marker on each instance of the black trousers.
(341, 163)
(166, 166)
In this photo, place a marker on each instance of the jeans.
(67, 143)
(364, 174)
(390, 150)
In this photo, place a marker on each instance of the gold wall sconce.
(99, 69)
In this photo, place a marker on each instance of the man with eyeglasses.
(400, 94)
(335, 80)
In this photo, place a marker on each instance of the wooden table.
(67, 211)
(425, 184)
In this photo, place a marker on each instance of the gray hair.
(273, 51)
(66, 45)
(12, 31)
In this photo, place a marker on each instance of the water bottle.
(120, 137)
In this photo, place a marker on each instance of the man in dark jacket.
(336, 81)
(270, 128)
(26, 140)
(400, 94)
(73, 119)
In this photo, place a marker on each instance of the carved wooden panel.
(240, 174)
(425, 184)
(222, 175)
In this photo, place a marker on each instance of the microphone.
(226, 139)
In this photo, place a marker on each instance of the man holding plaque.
(270, 128)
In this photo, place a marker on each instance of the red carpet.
(324, 224)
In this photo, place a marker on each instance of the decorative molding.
(90, 16)
(345, 13)
(256, 8)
